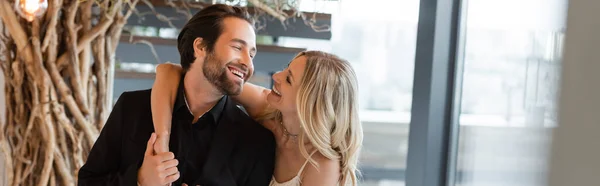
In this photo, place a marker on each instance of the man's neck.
(201, 95)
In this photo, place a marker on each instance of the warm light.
(30, 9)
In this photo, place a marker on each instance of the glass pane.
(379, 39)
(512, 60)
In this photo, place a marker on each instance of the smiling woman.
(379, 39)
(285, 85)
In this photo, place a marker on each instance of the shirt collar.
(181, 103)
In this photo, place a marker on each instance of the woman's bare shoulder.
(327, 173)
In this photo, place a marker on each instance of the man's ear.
(199, 48)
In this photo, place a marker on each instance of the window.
(511, 69)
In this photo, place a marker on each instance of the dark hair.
(206, 24)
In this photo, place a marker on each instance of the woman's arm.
(254, 99)
(164, 92)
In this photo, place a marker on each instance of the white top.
(295, 181)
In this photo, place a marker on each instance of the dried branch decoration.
(56, 71)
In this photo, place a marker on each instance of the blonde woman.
(311, 110)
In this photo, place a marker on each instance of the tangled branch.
(55, 86)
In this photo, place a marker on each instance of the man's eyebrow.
(253, 49)
(239, 41)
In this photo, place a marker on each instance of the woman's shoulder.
(327, 173)
(325, 162)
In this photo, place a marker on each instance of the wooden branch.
(47, 129)
(109, 78)
(186, 6)
(92, 91)
(312, 22)
(114, 32)
(109, 50)
(62, 119)
(146, 42)
(49, 147)
(160, 16)
(72, 52)
(185, 12)
(64, 123)
(53, 51)
(99, 67)
(63, 169)
(62, 139)
(33, 120)
(131, 9)
(90, 133)
(120, 23)
(86, 15)
(58, 110)
(85, 56)
(18, 77)
(35, 144)
(16, 31)
(84, 40)
(30, 123)
(52, 14)
(53, 180)
(78, 151)
(20, 38)
(78, 91)
(8, 162)
(280, 16)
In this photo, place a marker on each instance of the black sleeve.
(262, 172)
(103, 164)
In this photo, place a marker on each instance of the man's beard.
(216, 74)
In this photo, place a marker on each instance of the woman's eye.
(288, 80)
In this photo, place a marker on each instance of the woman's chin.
(273, 99)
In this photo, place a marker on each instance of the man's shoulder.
(135, 95)
(134, 104)
(134, 107)
(135, 98)
(249, 126)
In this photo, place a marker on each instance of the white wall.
(575, 157)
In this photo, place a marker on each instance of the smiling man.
(212, 141)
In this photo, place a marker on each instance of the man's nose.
(247, 60)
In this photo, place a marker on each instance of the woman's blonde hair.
(327, 106)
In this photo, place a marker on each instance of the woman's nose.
(276, 76)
